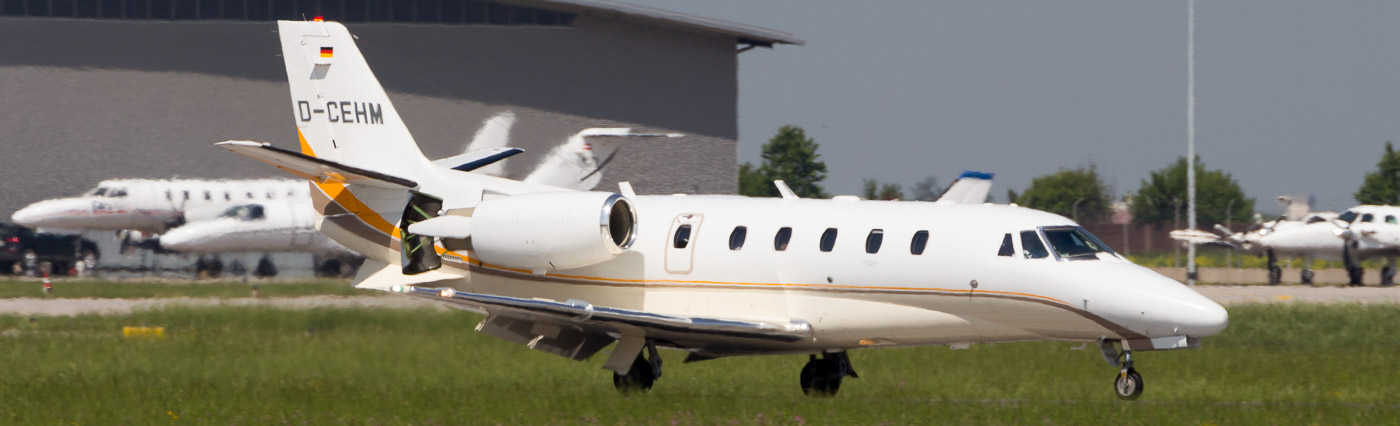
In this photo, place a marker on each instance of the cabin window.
(169, 196)
(780, 241)
(208, 196)
(1367, 218)
(117, 193)
(1390, 219)
(187, 195)
(100, 191)
(1347, 216)
(872, 241)
(736, 238)
(227, 196)
(269, 195)
(916, 246)
(1007, 249)
(1032, 247)
(828, 240)
(682, 238)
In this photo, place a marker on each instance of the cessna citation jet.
(572, 272)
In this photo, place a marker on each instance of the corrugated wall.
(84, 100)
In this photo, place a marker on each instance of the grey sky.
(1292, 96)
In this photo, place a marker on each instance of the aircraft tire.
(215, 267)
(1128, 385)
(265, 268)
(1275, 275)
(637, 380)
(1387, 276)
(1354, 275)
(1307, 278)
(821, 378)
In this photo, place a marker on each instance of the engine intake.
(553, 230)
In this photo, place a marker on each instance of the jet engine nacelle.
(553, 230)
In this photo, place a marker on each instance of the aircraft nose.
(1202, 317)
(179, 239)
(46, 214)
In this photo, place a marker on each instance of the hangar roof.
(745, 33)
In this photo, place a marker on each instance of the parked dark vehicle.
(22, 251)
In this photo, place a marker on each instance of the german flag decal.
(326, 52)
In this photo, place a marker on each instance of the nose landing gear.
(1128, 383)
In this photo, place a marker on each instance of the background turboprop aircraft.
(1360, 232)
(571, 272)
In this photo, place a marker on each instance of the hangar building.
(99, 89)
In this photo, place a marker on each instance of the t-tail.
(369, 179)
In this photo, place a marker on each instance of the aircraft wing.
(584, 313)
(970, 188)
(315, 169)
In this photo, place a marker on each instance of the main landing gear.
(1128, 383)
(822, 377)
(644, 372)
(1275, 272)
(1352, 264)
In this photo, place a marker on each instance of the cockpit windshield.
(103, 191)
(245, 212)
(1073, 242)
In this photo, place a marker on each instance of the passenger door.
(680, 243)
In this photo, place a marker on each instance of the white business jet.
(571, 272)
(152, 206)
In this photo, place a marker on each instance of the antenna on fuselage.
(783, 189)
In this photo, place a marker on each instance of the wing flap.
(315, 169)
(587, 315)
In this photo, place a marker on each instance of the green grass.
(72, 289)
(1284, 364)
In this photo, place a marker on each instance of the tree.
(752, 183)
(873, 190)
(792, 157)
(926, 190)
(1382, 186)
(1164, 191)
(1074, 193)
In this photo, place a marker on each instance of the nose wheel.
(1128, 383)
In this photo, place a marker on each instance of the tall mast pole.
(1191, 137)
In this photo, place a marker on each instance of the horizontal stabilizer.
(970, 188)
(315, 169)
(1196, 237)
(477, 159)
(443, 227)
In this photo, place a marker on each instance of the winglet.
(783, 189)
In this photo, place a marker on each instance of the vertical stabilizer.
(341, 111)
